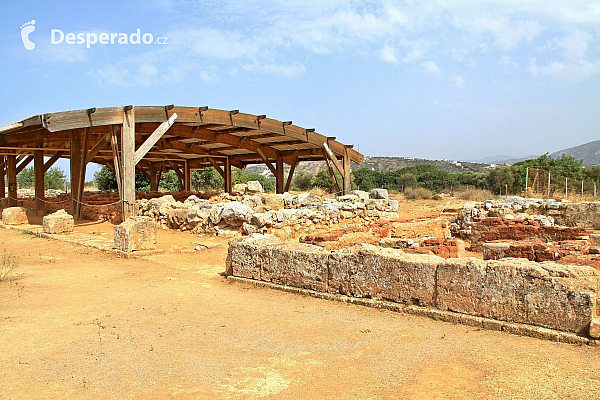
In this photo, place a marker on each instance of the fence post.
(566, 188)
(526, 181)
(548, 184)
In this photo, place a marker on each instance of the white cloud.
(131, 76)
(209, 76)
(288, 71)
(388, 54)
(507, 63)
(431, 67)
(458, 81)
(573, 46)
(570, 70)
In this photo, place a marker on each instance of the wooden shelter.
(153, 140)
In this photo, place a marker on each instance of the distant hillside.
(588, 152)
(387, 164)
(504, 159)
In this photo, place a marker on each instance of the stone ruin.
(495, 294)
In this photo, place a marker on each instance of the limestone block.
(136, 233)
(367, 271)
(246, 255)
(379, 194)
(254, 202)
(262, 219)
(516, 290)
(254, 187)
(58, 222)
(238, 189)
(14, 216)
(595, 328)
(298, 265)
(236, 213)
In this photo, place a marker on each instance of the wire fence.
(542, 183)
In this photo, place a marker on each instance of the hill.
(387, 164)
(588, 152)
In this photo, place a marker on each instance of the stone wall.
(546, 294)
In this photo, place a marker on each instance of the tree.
(105, 179)
(365, 178)
(302, 181)
(54, 178)
(407, 180)
(169, 182)
(207, 179)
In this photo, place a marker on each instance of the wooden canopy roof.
(198, 135)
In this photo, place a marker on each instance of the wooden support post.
(82, 168)
(346, 177)
(114, 141)
(188, 177)
(291, 173)
(279, 177)
(24, 164)
(75, 168)
(2, 177)
(128, 160)
(153, 177)
(333, 178)
(11, 169)
(217, 167)
(53, 160)
(228, 183)
(38, 166)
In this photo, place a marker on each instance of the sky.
(454, 79)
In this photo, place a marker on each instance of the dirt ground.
(78, 323)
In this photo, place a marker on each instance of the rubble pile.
(285, 215)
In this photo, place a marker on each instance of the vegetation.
(9, 263)
(468, 185)
(54, 178)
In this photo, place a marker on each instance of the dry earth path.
(78, 323)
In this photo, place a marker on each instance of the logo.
(26, 29)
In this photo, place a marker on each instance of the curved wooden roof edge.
(187, 116)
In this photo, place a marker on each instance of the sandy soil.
(78, 323)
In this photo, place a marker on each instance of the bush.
(418, 193)
(302, 181)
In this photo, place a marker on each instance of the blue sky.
(449, 79)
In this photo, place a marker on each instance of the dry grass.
(9, 263)
(417, 193)
(475, 195)
(317, 191)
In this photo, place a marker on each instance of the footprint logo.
(26, 29)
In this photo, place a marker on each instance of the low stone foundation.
(547, 295)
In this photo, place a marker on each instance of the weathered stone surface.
(513, 290)
(14, 216)
(254, 202)
(254, 187)
(298, 265)
(549, 295)
(58, 222)
(136, 233)
(238, 189)
(595, 328)
(236, 213)
(262, 220)
(379, 194)
(246, 255)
